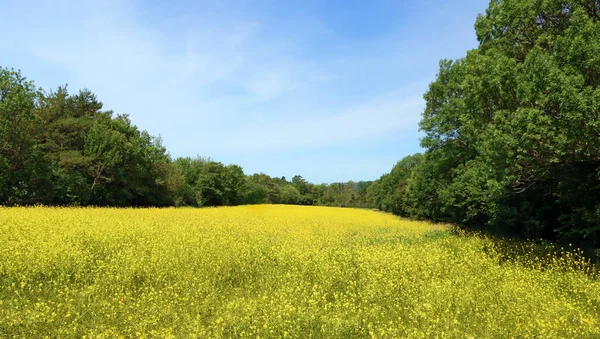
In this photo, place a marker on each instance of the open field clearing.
(275, 271)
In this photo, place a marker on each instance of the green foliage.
(512, 133)
(210, 183)
(67, 121)
(305, 190)
(343, 194)
(62, 149)
(389, 193)
(127, 166)
(24, 168)
(512, 129)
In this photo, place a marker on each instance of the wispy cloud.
(371, 120)
(235, 77)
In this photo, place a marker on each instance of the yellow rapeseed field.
(276, 271)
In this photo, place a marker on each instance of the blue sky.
(330, 90)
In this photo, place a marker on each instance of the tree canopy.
(512, 129)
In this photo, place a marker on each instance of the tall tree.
(66, 121)
(512, 130)
(390, 193)
(126, 165)
(24, 169)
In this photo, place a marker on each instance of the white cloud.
(210, 86)
(269, 83)
(392, 113)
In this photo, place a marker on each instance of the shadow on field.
(539, 254)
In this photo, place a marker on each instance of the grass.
(277, 271)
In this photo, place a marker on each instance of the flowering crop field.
(276, 271)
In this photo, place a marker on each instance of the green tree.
(390, 193)
(234, 185)
(304, 188)
(126, 166)
(24, 169)
(255, 192)
(290, 195)
(512, 130)
(66, 121)
(270, 187)
(210, 183)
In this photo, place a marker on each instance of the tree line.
(58, 148)
(512, 130)
(512, 141)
